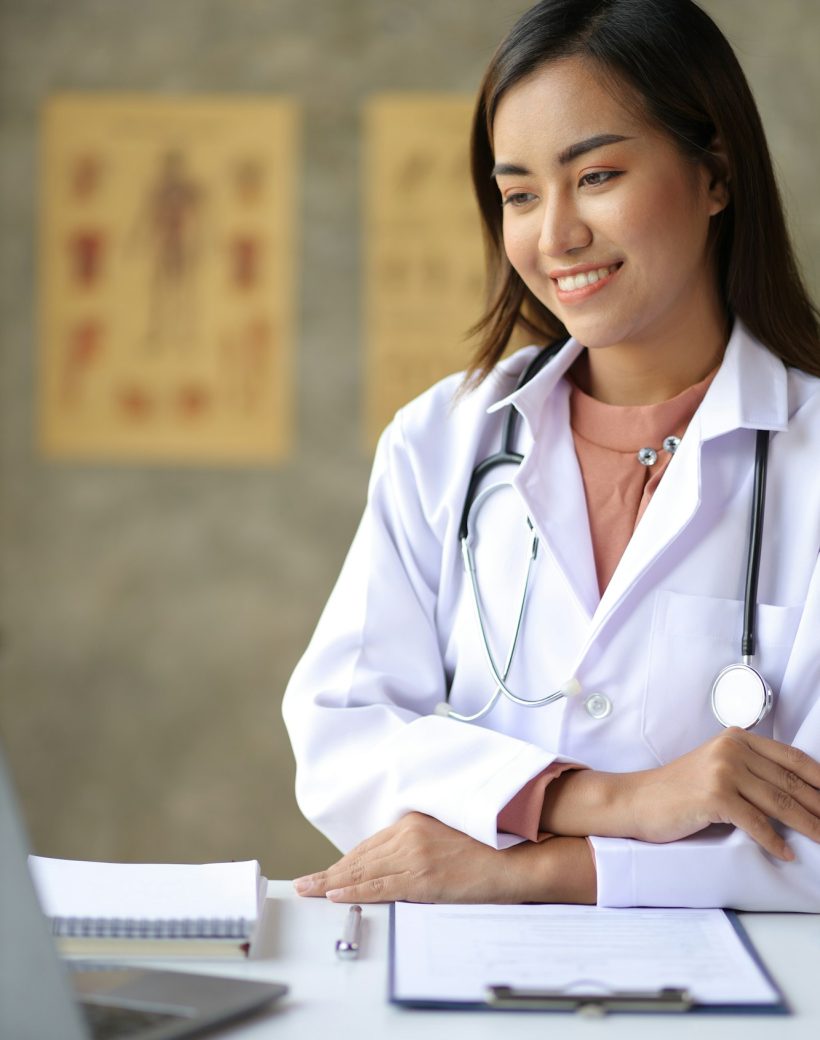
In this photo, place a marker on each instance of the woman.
(629, 204)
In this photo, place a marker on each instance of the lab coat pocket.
(692, 639)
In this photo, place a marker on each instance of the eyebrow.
(589, 144)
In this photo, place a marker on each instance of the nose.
(562, 228)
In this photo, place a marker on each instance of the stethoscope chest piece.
(741, 696)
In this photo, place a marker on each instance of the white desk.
(341, 1000)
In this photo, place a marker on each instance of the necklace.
(649, 456)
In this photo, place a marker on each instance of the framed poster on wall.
(424, 258)
(168, 278)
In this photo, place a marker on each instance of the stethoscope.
(740, 694)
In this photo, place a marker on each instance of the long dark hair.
(693, 87)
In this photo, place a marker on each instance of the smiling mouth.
(585, 278)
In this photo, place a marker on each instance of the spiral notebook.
(150, 909)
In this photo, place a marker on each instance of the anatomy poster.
(168, 278)
(424, 260)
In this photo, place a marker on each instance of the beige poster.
(424, 266)
(168, 278)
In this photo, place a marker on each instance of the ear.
(718, 181)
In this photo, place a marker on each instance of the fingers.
(788, 798)
(790, 759)
(351, 871)
(783, 785)
(371, 863)
(744, 815)
(765, 801)
(774, 782)
(377, 890)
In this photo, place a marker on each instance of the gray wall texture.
(150, 617)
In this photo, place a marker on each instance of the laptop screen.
(36, 998)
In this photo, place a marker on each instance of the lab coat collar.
(749, 390)
(529, 399)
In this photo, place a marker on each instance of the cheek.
(518, 246)
(672, 222)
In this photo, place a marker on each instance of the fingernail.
(303, 885)
(788, 852)
(334, 893)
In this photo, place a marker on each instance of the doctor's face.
(605, 219)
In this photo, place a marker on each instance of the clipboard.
(588, 996)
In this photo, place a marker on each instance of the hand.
(419, 859)
(737, 777)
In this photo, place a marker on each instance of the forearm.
(737, 778)
(583, 802)
(421, 860)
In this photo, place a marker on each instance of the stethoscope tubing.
(506, 456)
(748, 641)
(499, 676)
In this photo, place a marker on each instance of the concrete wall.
(149, 618)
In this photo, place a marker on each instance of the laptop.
(41, 999)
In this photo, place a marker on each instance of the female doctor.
(601, 681)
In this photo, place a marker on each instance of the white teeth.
(579, 281)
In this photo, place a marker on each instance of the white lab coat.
(400, 628)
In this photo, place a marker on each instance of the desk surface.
(344, 1000)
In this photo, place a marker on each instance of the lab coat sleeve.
(359, 707)
(722, 866)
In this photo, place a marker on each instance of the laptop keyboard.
(113, 1023)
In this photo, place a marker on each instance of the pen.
(348, 946)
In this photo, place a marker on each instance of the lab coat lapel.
(673, 505)
(551, 485)
(549, 479)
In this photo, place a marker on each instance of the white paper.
(452, 953)
(152, 891)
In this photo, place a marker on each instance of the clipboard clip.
(591, 1004)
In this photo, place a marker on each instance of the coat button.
(598, 706)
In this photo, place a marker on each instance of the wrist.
(587, 801)
(578, 878)
(558, 870)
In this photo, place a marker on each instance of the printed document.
(452, 953)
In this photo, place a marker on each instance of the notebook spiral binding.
(147, 928)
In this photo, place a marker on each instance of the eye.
(516, 199)
(595, 178)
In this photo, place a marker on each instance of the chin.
(594, 336)
(595, 331)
